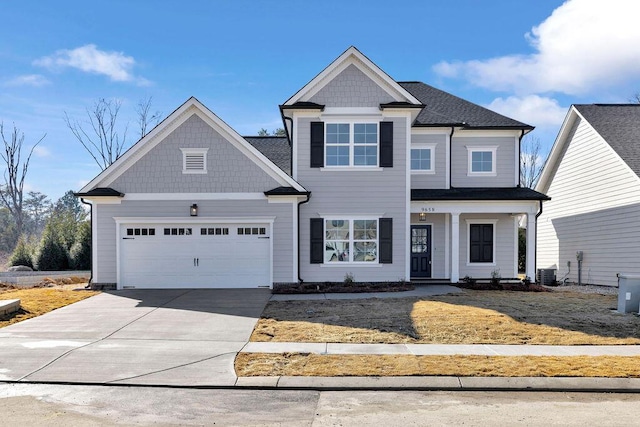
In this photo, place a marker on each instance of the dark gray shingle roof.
(482, 193)
(444, 109)
(275, 148)
(619, 125)
(100, 192)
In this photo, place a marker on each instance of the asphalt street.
(47, 405)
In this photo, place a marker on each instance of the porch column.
(531, 246)
(455, 247)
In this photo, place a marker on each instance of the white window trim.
(495, 228)
(351, 123)
(351, 219)
(187, 151)
(474, 149)
(424, 146)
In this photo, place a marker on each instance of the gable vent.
(194, 160)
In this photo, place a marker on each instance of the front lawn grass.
(472, 317)
(37, 301)
(304, 364)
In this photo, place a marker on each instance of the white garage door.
(195, 255)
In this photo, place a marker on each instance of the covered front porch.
(459, 233)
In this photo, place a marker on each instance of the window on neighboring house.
(422, 159)
(481, 243)
(194, 160)
(482, 160)
(351, 144)
(351, 240)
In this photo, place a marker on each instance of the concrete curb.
(432, 383)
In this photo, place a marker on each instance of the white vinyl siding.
(594, 208)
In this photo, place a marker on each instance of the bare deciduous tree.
(531, 161)
(146, 120)
(11, 193)
(635, 99)
(103, 142)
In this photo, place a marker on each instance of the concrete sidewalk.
(443, 349)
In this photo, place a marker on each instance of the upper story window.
(422, 158)
(351, 144)
(194, 160)
(482, 161)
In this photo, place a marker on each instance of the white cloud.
(88, 58)
(35, 80)
(538, 111)
(41, 151)
(583, 45)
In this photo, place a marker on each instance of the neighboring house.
(377, 179)
(593, 178)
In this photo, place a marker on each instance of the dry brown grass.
(37, 301)
(473, 317)
(296, 364)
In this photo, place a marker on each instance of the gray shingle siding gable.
(619, 125)
(351, 88)
(160, 170)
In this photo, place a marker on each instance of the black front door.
(420, 251)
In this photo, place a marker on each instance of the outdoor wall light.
(193, 210)
(422, 216)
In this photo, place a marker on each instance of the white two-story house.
(376, 179)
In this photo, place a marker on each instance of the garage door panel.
(196, 256)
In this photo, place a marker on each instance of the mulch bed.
(506, 286)
(340, 287)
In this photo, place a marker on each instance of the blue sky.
(528, 59)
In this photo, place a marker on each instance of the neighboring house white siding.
(594, 208)
(161, 169)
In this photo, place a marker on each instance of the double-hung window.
(422, 158)
(351, 240)
(482, 161)
(351, 144)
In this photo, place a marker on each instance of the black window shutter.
(385, 239)
(386, 144)
(317, 240)
(317, 144)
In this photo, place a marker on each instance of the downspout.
(301, 203)
(520, 158)
(450, 148)
(90, 239)
(535, 253)
(290, 140)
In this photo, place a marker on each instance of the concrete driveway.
(163, 337)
